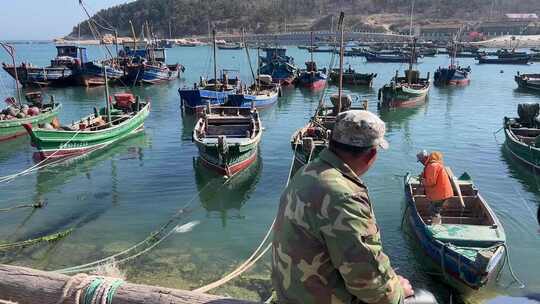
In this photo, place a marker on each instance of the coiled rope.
(90, 289)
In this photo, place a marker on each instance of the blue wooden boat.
(311, 77)
(278, 65)
(262, 93)
(151, 67)
(92, 73)
(469, 246)
(211, 92)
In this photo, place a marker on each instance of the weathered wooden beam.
(30, 286)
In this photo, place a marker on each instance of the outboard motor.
(528, 112)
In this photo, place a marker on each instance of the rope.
(91, 289)
(24, 172)
(512, 273)
(154, 239)
(37, 205)
(48, 238)
(255, 256)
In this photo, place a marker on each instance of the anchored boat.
(311, 77)
(528, 81)
(351, 77)
(102, 128)
(228, 138)
(522, 134)
(469, 246)
(453, 74)
(60, 72)
(214, 91)
(263, 93)
(278, 65)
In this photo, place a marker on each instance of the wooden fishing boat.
(509, 60)
(522, 135)
(228, 138)
(263, 93)
(215, 91)
(278, 65)
(453, 74)
(408, 91)
(312, 78)
(469, 246)
(308, 141)
(230, 46)
(92, 73)
(528, 81)
(102, 128)
(11, 127)
(61, 71)
(351, 77)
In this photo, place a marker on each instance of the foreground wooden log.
(29, 286)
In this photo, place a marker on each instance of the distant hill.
(194, 17)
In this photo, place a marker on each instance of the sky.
(45, 19)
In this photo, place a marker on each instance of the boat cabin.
(69, 53)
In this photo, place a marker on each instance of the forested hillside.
(186, 17)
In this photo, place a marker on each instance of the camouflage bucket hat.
(360, 128)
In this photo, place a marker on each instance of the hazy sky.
(44, 19)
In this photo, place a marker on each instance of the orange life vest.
(436, 180)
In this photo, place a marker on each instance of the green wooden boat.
(15, 127)
(228, 138)
(469, 246)
(402, 92)
(93, 132)
(522, 135)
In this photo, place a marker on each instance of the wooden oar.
(455, 185)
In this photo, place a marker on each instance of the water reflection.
(526, 175)
(224, 198)
(188, 123)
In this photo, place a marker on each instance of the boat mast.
(311, 51)
(411, 60)
(11, 51)
(258, 66)
(215, 61)
(247, 54)
(340, 90)
(109, 121)
(411, 23)
(134, 36)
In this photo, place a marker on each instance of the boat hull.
(246, 100)
(527, 154)
(528, 81)
(14, 128)
(53, 144)
(511, 60)
(42, 76)
(401, 97)
(150, 74)
(92, 75)
(232, 168)
(194, 101)
(354, 79)
(449, 76)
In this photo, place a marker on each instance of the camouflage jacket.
(326, 246)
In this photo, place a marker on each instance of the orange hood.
(435, 157)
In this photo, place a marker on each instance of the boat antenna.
(247, 54)
(215, 59)
(340, 90)
(11, 51)
(134, 36)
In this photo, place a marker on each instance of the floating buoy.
(502, 71)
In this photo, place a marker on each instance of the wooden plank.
(28, 286)
(455, 185)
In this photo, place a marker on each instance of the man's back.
(326, 245)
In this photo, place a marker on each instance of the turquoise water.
(115, 198)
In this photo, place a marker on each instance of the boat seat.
(230, 140)
(464, 234)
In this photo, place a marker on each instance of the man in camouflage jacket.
(327, 246)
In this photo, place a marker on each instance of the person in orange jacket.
(436, 183)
